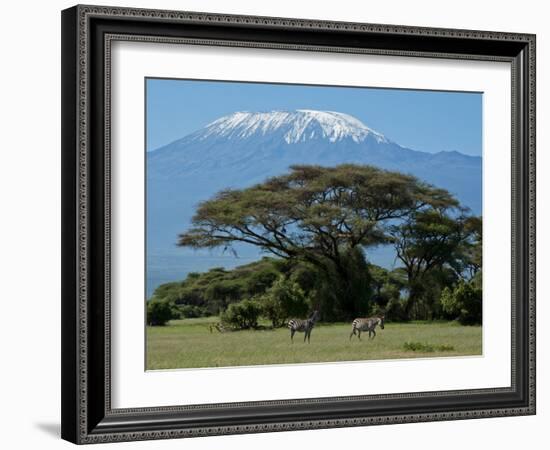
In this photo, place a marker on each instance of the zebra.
(216, 326)
(366, 323)
(303, 326)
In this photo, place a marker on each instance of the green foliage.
(472, 252)
(322, 216)
(427, 291)
(261, 280)
(386, 292)
(192, 311)
(214, 290)
(242, 315)
(434, 245)
(345, 202)
(464, 302)
(283, 300)
(167, 291)
(347, 288)
(159, 312)
(396, 310)
(222, 292)
(427, 348)
(319, 224)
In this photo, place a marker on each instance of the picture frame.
(87, 366)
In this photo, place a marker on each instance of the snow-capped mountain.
(245, 148)
(290, 126)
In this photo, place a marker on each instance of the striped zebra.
(366, 324)
(303, 326)
(216, 326)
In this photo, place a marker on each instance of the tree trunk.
(415, 291)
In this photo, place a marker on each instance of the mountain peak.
(292, 126)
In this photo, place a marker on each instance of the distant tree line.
(318, 224)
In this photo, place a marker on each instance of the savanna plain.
(189, 343)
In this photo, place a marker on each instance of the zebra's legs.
(308, 336)
(305, 336)
(292, 335)
(352, 333)
(359, 335)
(373, 334)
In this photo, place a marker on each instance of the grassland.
(188, 343)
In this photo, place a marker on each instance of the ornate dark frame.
(87, 32)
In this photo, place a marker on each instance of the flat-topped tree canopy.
(313, 213)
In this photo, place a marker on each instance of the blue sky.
(429, 121)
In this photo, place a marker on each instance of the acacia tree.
(472, 255)
(386, 286)
(433, 245)
(319, 215)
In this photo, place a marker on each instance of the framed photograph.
(281, 224)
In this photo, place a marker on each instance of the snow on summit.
(295, 126)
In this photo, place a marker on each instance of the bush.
(427, 348)
(273, 310)
(159, 312)
(242, 315)
(192, 311)
(464, 302)
(283, 300)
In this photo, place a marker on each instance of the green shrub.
(283, 300)
(159, 312)
(464, 302)
(427, 348)
(192, 311)
(242, 315)
(273, 310)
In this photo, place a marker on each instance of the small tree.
(425, 242)
(159, 312)
(283, 300)
(242, 315)
(463, 302)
